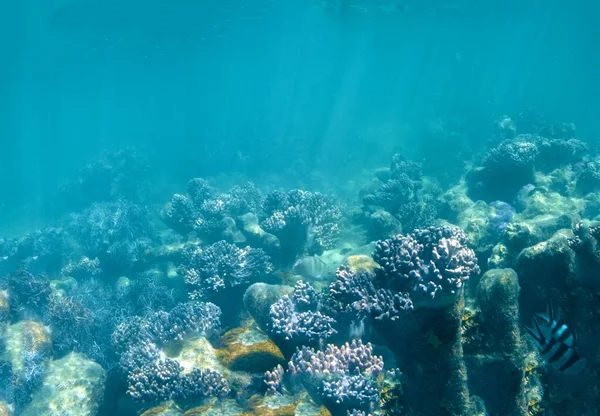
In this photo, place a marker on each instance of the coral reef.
(112, 311)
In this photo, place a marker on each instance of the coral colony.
(409, 298)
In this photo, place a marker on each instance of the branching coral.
(117, 233)
(221, 266)
(431, 265)
(303, 221)
(343, 377)
(297, 317)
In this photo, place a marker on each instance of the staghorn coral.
(431, 265)
(82, 269)
(28, 293)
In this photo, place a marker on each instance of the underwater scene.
(300, 208)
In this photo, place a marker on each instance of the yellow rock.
(26, 336)
(245, 349)
(361, 263)
(166, 409)
(4, 306)
(5, 409)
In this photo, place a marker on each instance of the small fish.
(556, 342)
(310, 267)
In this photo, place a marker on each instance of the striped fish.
(556, 341)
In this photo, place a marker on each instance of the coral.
(4, 306)
(28, 293)
(297, 317)
(354, 296)
(299, 326)
(164, 380)
(84, 268)
(350, 358)
(110, 177)
(413, 215)
(431, 265)
(118, 233)
(587, 176)
(83, 319)
(258, 299)
(243, 199)
(199, 191)
(302, 221)
(42, 251)
(504, 169)
(402, 197)
(273, 380)
(554, 152)
(26, 346)
(162, 327)
(181, 214)
(342, 377)
(221, 266)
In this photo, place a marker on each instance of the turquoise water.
(109, 108)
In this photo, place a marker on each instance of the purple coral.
(297, 317)
(162, 327)
(302, 220)
(209, 270)
(350, 358)
(431, 265)
(354, 296)
(273, 380)
(163, 379)
(344, 376)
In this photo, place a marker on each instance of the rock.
(245, 349)
(197, 352)
(231, 233)
(474, 221)
(5, 409)
(525, 233)
(361, 263)
(258, 300)
(500, 257)
(214, 407)
(72, 386)
(26, 336)
(542, 202)
(382, 224)
(455, 201)
(256, 236)
(498, 299)
(169, 408)
(548, 263)
(4, 306)
(285, 405)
